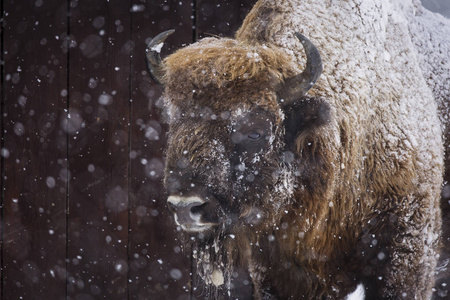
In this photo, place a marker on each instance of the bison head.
(236, 113)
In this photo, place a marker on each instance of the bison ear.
(304, 114)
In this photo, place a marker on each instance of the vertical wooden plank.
(2, 151)
(34, 149)
(159, 269)
(98, 149)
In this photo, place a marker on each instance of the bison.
(317, 163)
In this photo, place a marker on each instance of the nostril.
(197, 209)
(187, 209)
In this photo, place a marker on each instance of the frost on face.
(262, 151)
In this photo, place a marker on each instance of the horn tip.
(159, 39)
(153, 51)
(301, 37)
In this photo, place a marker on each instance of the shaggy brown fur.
(221, 61)
(312, 196)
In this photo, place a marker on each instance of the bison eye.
(254, 135)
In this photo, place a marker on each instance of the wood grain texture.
(98, 149)
(34, 150)
(159, 269)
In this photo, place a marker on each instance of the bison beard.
(314, 194)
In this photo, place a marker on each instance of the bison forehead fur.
(220, 62)
(312, 193)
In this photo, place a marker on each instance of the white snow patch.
(358, 294)
(217, 278)
(157, 48)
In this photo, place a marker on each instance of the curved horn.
(297, 86)
(154, 62)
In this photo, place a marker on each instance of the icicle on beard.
(214, 263)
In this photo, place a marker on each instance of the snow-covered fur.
(430, 33)
(352, 193)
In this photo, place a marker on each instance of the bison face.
(222, 168)
(233, 168)
(232, 155)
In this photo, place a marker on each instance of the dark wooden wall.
(83, 211)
